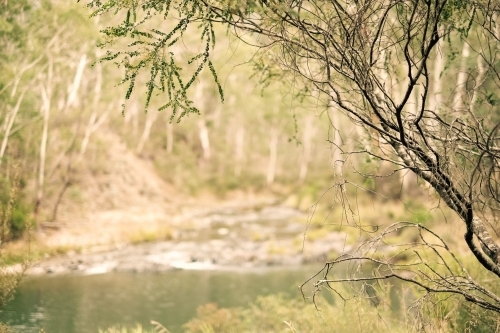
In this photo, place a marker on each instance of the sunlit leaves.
(156, 52)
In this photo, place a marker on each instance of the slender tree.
(374, 60)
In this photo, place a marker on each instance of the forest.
(368, 128)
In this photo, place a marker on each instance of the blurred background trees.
(382, 64)
(64, 120)
(61, 111)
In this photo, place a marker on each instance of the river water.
(83, 304)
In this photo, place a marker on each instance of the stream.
(83, 304)
(228, 256)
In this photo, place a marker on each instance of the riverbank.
(227, 237)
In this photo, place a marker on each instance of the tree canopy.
(420, 78)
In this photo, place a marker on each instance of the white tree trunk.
(496, 17)
(460, 94)
(170, 137)
(204, 138)
(307, 136)
(92, 126)
(480, 78)
(337, 160)
(43, 144)
(437, 83)
(201, 123)
(239, 149)
(273, 156)
(17, 80)
(98, 83)
(150, 120)
(10, 121)
(94, 121)
(132, 117)
(73, 91)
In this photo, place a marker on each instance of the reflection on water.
(81, 304)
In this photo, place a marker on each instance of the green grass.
(369, 309)
(279, 313)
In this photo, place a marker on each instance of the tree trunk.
(43, 148)
(307, 136)
(273, 156)
(201, 123)
(66, 177)
(437, 87)
(65, 186)
(481, 76)
(98, 82)
(460, 94)
(132, 117)
(409, 179)
(10, 121)
(336, 141)
(170, 137)
(151, 118)
(239, 149)
(204, 139)
(73, 91)
(92, 126)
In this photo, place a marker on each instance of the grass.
(277, 249)
(279, 313)
(358, 313)
(119, 329)
(25, 251)
(149, 235)
(17, 252)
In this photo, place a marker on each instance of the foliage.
(279, 313)
(14, 213)
(9, 278)
(60, 154)
(5, 329)
(374, 60)
(300, 316)
(12, 29)
(468, 317)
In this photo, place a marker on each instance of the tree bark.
(273, 156)
(201, 123)
(336, 153)
(460, 94)
(92, 126)
(437, 86)
(239, 149)
(204, 139)
(10, 121)
(170, 137)
(307, 136)
(131, 117)
(75, 86)
(480, 78)
(43, 147)
(150, 120)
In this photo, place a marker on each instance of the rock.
(228, 246)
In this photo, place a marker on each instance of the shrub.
(279, 313)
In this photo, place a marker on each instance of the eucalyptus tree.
(382, 64)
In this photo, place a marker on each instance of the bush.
(279, 313)
(14, 213)
(9, 215)
(19, 221)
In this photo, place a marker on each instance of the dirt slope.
(120, 197)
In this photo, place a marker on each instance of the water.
(83, 304)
